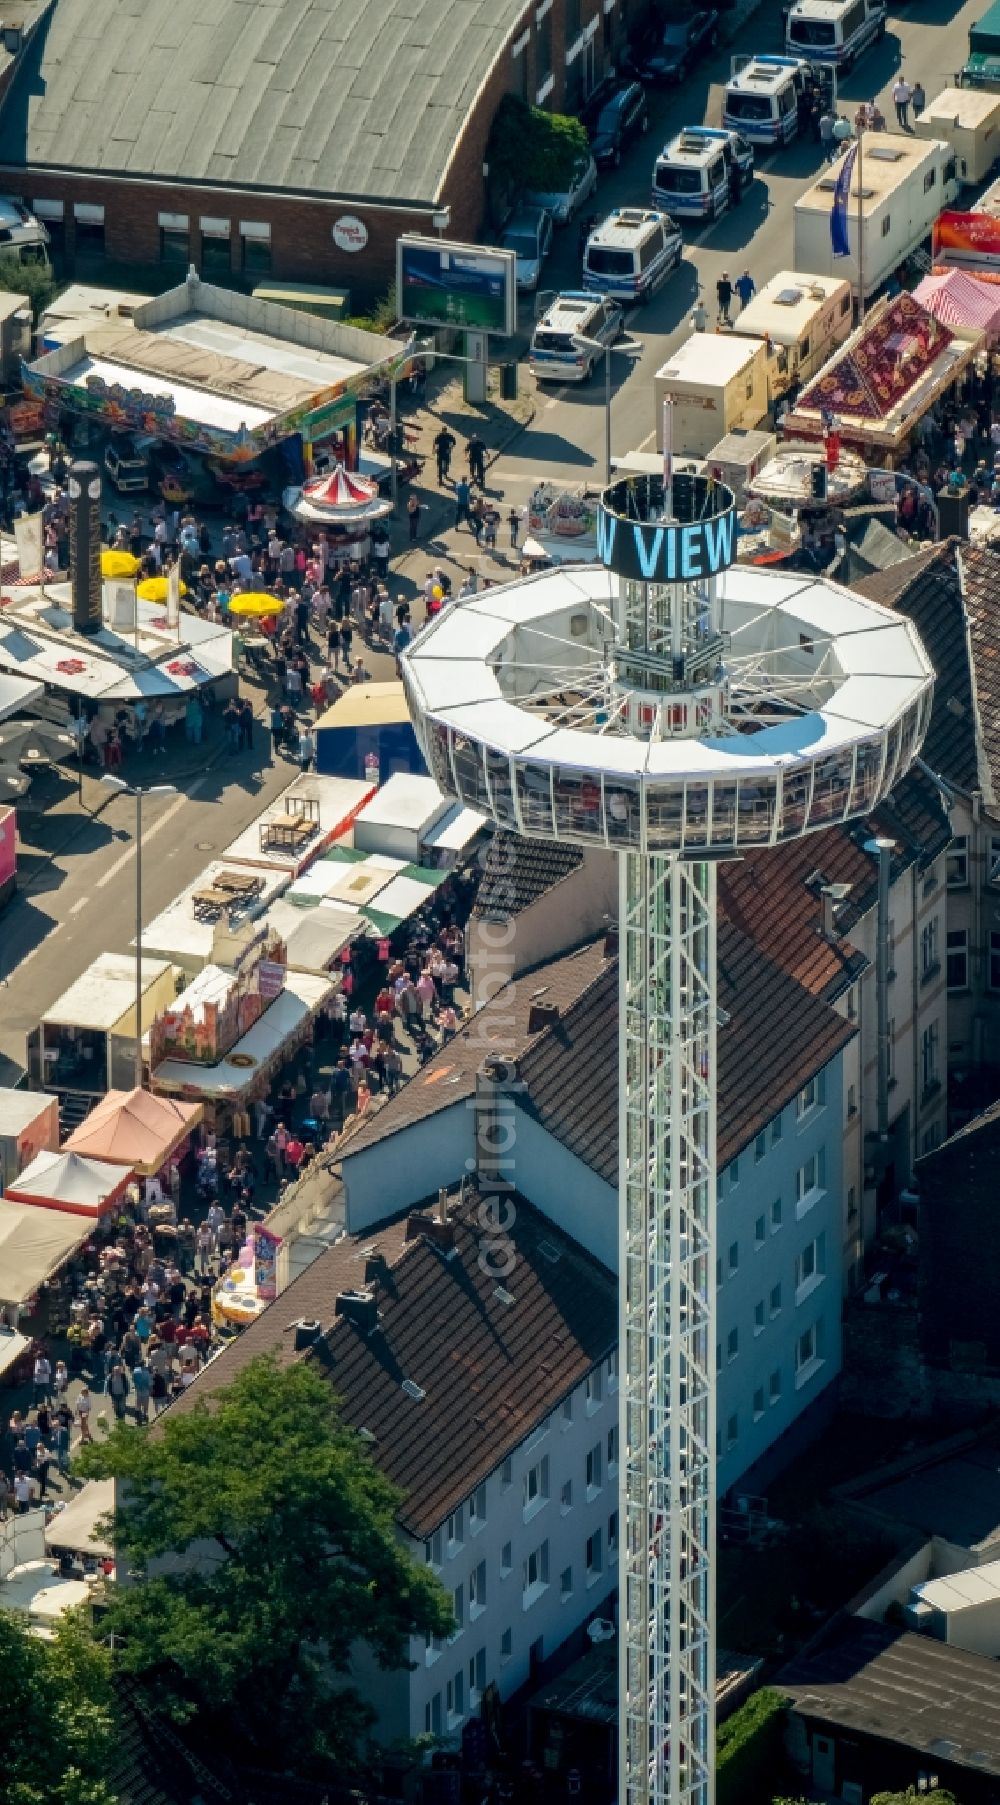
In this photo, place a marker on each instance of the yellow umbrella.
(118, 564)
(155, 589)
(256, 606)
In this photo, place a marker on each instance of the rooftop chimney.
(360, 1308)
(85, 545)
(833, 896)
(435, 1229)
(307, 1333)
(542, 1015)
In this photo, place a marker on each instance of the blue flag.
(838, 215)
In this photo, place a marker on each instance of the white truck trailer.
(899, 185)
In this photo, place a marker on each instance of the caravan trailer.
(906, 183)
(802, 320)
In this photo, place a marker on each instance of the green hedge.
(749, 1755)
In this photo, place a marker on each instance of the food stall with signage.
(84, 1045)
(892, 369)
(29, 1124)
(220, 374)
(136, 1129)
(561, 526)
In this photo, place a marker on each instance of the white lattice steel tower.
(678, 708)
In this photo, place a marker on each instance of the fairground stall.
(367, 734)
(305, 820)
(145, 1133)
(958, 298)
(84, 1044)
(34, 1245)
(215, 375)
(29, 1124)
(344, 505)
(71, 1183)
(892, 370)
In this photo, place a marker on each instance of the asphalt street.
(928, 38)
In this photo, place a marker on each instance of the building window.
(506, 1645)
(774, 1301)
(453, 1532)
(809, 1097)
(776, 1215)
(732, 1345)
(613, 1536)
(758, 1403)
(994, 960)
(536, 1486)
(505, 1560)
(957, 862)
(810, 1267)
(594, 1471)
(458, 1611)
(929, 961)
(760, 1148)
(566, 1497)
(734, 1174)
(611, 1368)
(175, 239)
(958, 958)
(506, 1474)
(535, 1575)
(255, 248)
(993, 867)
(718, 1273)
(477, 1677)
(852, 1003)
(595, 1391)
(852, 1101)
(216, 255)
(477, 1591)
(432, 1550)
(543, 53)
(565, 1584)
(852, 1203)
(776, 1131)
(89, 229)
(732, 1431)
(612, 1451)
(760, 1231)
(807, 1353)
(759, 1317)
(595, 1557)
(774, 1386)
(929, 1056)
(477, 1510)
(432, 1715)
(809, 1181)
(455, 1699)
(734, 1257)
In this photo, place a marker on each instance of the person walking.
(724, 294)
(443, 445)
(918, 99)
(827, 121)
(41, 1386)
(246, 725)
(902, 94)
(463, 495)
(84, 1404)
(194, 719)
(413, 518)
(699, 318)
(142, 1385)
(475, 453)
(514, 524)
(746, 288)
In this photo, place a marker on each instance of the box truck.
(715, 383)
(969, 120)
(899, 185)
(802, 320)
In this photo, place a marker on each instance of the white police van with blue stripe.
(834, 31)
(762, 97)
(556, 355)
(693, 174)
(631, 253)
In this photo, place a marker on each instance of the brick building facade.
(553, 56)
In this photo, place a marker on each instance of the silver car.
(563, 203)
(529, 236)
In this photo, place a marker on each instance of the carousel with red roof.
(345, 505)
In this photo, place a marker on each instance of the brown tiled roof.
(981, 571)
(928, 589)
(519, 871)
(490, 1369)
(501, 1026)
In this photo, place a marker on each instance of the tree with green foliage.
(55, 1714)
(532, 150)
(748, 1748)
(290, 1557)
(32, 279)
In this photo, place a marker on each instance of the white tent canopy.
(34, 1244)
(71, 1182)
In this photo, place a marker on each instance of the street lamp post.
(138, 791)
(594, 344)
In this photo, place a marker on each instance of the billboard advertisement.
(440, 283)
(969, 239)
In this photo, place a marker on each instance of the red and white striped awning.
(959, 299)
(340, 489)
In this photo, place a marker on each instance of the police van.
(631, 253)
(555, 355)
(694, 172)
(762, 97)
(834, 31)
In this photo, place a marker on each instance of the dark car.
(677, 45)
(623, 115)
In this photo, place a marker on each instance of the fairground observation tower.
(676, 707)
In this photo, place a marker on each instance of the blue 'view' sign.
(675, 553)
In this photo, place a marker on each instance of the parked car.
(623, 115)
(564, 202)
(529, 236)
(676, 46)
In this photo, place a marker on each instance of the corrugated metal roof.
(323, 96)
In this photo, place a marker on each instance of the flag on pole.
(839, 237)
(174, 596)
(30, 545)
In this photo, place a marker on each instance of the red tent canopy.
(340, 489)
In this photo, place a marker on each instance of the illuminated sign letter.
(691, 544)
(719, 541)
(647, 553)
(606, 524)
